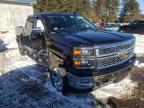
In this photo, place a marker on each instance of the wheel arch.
(56, 61)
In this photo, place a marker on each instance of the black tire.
(21, 49)
(56, 74)
(59, 82)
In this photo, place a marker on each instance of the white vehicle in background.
(113, 26)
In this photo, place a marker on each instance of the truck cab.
(78, 56)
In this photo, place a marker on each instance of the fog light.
(77, 63)
(83, 63)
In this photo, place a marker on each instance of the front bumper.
(98, 81)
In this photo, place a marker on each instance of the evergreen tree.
(112, 10)
(130, 11)
(100, 8)
(79, 6)
(40, 6)
(107, 9)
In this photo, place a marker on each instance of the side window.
(39, 24)
(28, 27)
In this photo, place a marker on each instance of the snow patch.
(138, 64)
(22, 80)
(118, 90)
(139, 49)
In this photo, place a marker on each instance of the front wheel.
(57, 73)
(58, 81)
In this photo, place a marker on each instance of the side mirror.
(37, 32)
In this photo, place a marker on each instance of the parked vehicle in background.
(112, 27)
(135, 27)
(77, 55)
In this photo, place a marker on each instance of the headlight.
(83, 57)
(83, 52)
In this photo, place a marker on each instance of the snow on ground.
(139, 64)
(9, 38)
(26, 85)
(23, 84)
(139, 49)
(118, 90)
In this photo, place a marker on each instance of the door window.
(39, 24)
(28, 27)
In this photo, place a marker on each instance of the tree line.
(107, 10)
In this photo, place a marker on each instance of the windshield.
(69, 22)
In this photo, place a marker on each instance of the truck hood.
(89, 38)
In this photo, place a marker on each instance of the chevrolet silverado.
(77, 54)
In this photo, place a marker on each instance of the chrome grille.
(111, 49)
(110, 61)
(111, 55)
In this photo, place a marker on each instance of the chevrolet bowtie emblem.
(122, 54)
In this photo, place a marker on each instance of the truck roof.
(51, 14)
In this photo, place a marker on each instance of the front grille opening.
(114, 49)
(111, 56)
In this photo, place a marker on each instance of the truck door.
(27, 32)
(38, 35)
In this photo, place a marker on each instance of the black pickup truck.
(77, 54)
